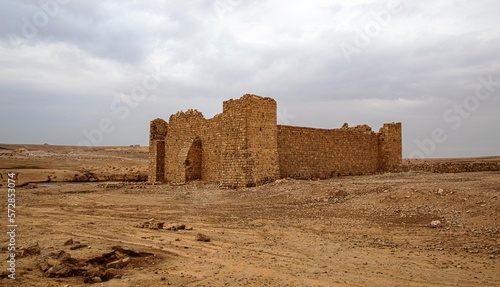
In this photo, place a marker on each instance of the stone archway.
(192, 163)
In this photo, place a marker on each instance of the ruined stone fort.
(244, 146)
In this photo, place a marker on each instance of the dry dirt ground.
(349, 231)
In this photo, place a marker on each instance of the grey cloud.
(427, 58)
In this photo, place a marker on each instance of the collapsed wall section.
(324, 153)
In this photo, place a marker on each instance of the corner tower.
(390, 151)
(249, 141)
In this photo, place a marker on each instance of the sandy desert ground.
(349, 231)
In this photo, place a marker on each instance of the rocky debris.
(435, 223)
(151, 224)
(31, 250)
(20, 151)
(111, 185)
(119, 264)
(202, 237)
(95, 270)
(156, 225)
(130, 252)
(175, 227)
(78, 246)
(75, 244)
(450, 167)
(59, 264)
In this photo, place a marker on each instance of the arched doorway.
(193, 161)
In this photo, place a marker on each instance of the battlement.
(244, 146)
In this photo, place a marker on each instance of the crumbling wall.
(157, 134)
(244, 146)
(184, 129)
(390, 146)
(324, 153)
(236, 148)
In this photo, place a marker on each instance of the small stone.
(143, 225)
(69, 242)
(32, 250)
(156, 225)
(119, 264)
(111, 273)
(435, 223)
(78, 246)
(202, 237)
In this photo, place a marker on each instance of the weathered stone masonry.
(244, 146)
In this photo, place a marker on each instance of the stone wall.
(324, 153)
(236, 148)
(157, 135)
(250, 154)
(243, 146)
(390, 146)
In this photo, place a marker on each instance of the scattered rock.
(435, 223)
(202, 237)
(151, 225)
(69, 242)
(31, 250)
(156, 225)
(176, 227)
(119, 264)
(131, 252)
(78, 246)
(58, 264)
(95, 270)
(61, 270)
(20, 151)
(92, 280)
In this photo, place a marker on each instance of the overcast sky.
(96, 72)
